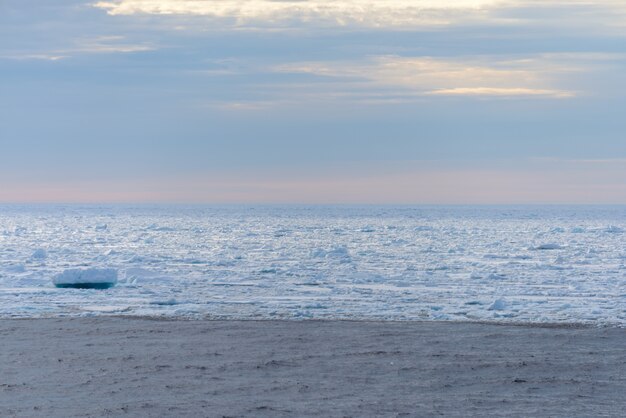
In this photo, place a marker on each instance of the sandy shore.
(138, 367)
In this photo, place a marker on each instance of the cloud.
(97, 45)
(426, 76)
(338, 12)
(244, 105)
(500, 92)
(42, 57)
(605, 15)
(109, 44)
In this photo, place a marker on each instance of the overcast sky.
(319, 101)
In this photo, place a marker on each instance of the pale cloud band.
(110, 44)
(404, 78)
(501, 92)
(369, 13)
(96, 45)
(341, 12)
(426, 76)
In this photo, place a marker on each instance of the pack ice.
(554, 264)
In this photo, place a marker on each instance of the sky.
(313, 101)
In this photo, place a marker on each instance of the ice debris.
(340, 252)
(498, 305)
(548, 246)
(39, 254)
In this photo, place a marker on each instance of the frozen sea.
(562, 264)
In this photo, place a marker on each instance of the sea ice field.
(556, 264)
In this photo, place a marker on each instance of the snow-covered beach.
(552, 264)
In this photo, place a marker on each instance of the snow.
(553, 264)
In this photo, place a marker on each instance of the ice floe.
(86, 278)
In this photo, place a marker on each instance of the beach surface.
(108, 366)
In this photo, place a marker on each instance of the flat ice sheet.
(503, 264)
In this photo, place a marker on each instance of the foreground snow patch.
(77, 277)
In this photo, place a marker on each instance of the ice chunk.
(155, 227)
(39, 254)
(548, 246)
(496, 276)
(423, 228)
(498, 305)
(86, 279)
(19, 230)
(102, 227)
(166, 302)
(340, 252)
(15, 268)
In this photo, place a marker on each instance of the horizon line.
(406, 204)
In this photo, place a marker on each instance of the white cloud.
(592, 15)
(98, 45)
(337, 12)
(43, 57)
(500, 92)
(483, 76)
(244, 105)
(110, 44)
